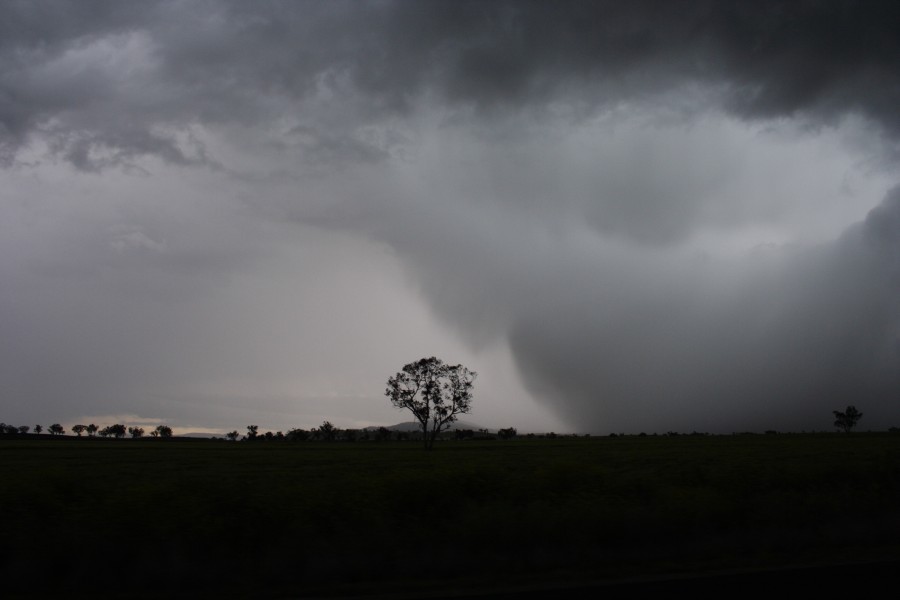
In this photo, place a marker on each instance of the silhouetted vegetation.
(325, 432)
(848, 419)
(434, 392)
(117, 431)
(297, 435)
(507, 434)
(162, 431)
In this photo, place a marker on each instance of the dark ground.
(524, 518)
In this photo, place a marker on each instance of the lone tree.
(435, 393)
(162, 431)
(847, 420)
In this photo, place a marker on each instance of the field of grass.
(316, 517)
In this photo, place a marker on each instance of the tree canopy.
(434, 392)
(847, 419)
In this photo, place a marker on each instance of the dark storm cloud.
(818, 328)
(623, 340)
(224, 62)
(569, 250)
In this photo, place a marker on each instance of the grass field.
(300, 518)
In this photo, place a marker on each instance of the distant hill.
(414, 426)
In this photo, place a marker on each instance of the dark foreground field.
(122, 516)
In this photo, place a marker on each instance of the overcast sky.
(625, 216)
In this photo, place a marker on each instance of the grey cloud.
(324, 148)
(219, 62)
(632, 342)
(618, 334)
(135, 294)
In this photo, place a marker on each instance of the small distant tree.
(163, 431)
(252, 432)
(56, 429)
(326, 432)
(232, 435)
(23, 429)
(847, 420)
(297, 435)
(434, 392)
(38, 429)
(79, 429)
(92, 430)
(507, 434)
(136, 432)
(382, 434)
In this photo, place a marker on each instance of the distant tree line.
(117, 430)
(328, 432)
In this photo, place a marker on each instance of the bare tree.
(434, 392)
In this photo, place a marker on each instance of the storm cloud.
(666, 216)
